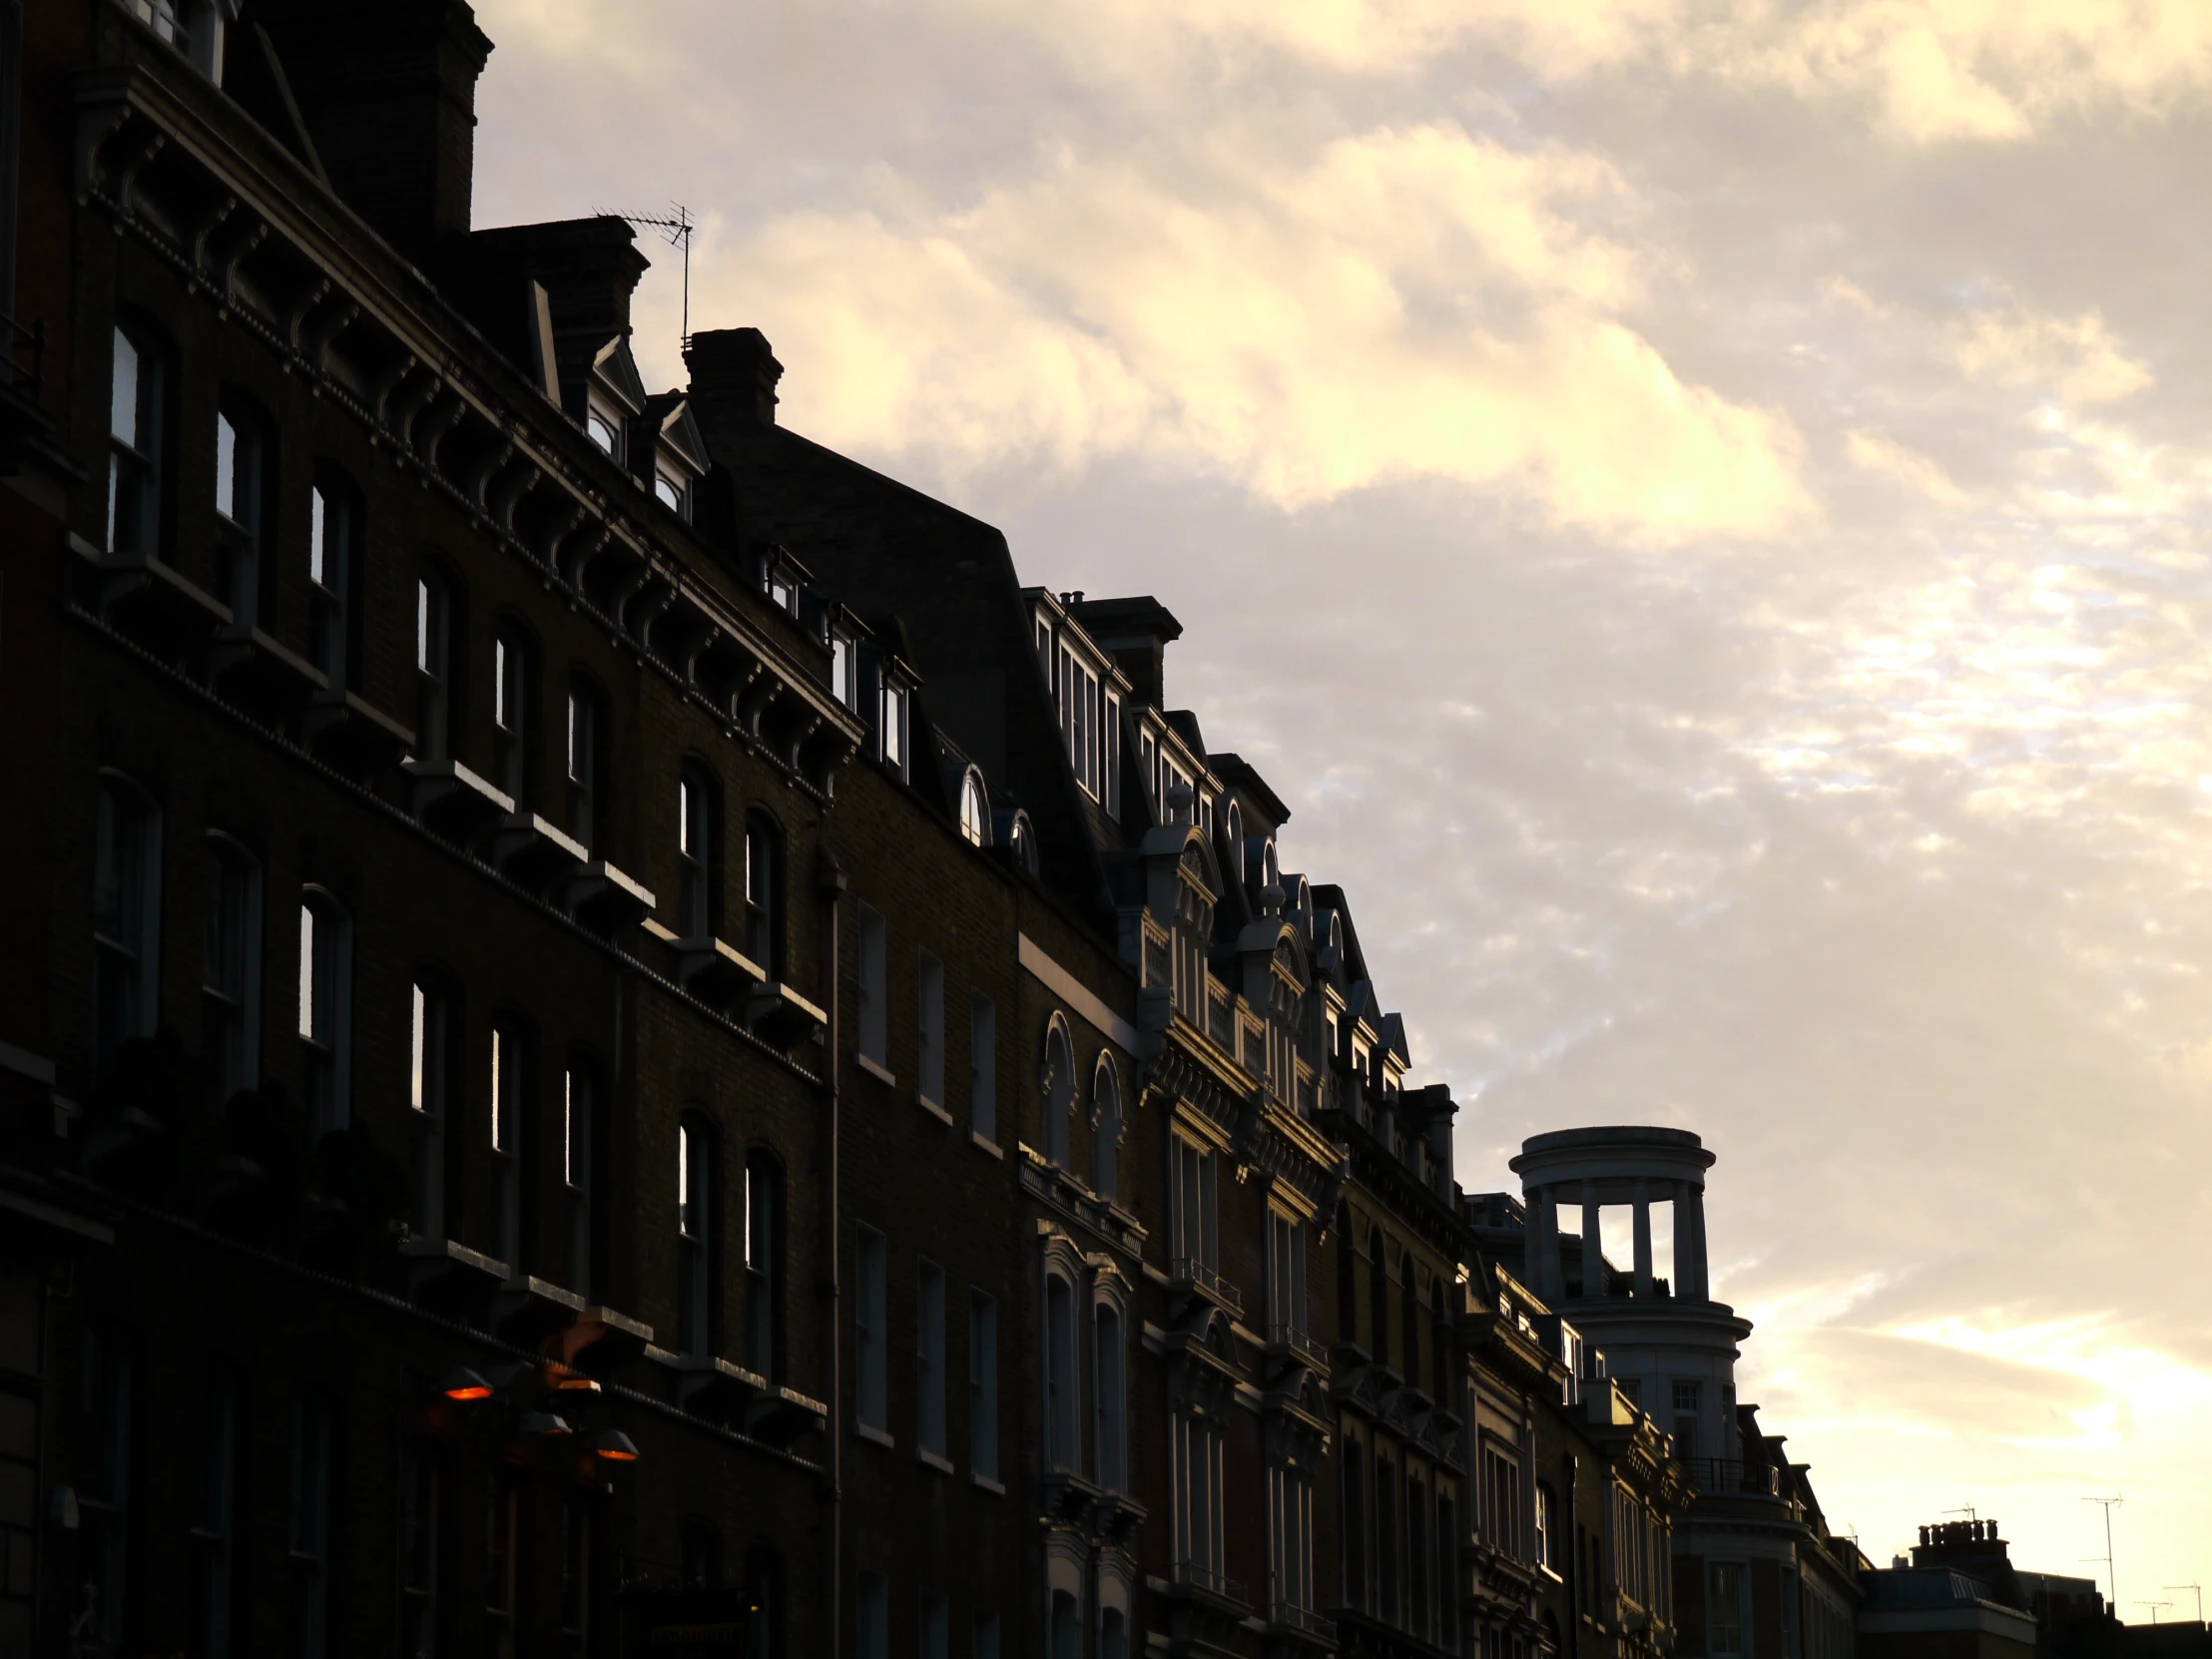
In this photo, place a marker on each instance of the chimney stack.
(732, 378)
(388, 93)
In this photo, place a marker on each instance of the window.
(1059, 1092)
(1113, 1635)
(1347, 1280)
(507, 1130)
(433, 665)
(1386, 1520)
(1061, 1447)
(420, 1552)
(673, 491)
(1355, 1524)
(1106, 1103)
(1064, 1628)
(893, 719)
(699, 1557)
(1109, 760)
(104, 1478)
(1409, 1319)
(1501, 1503)
(427, 1024)
(586, 762)
(578, 1095)
(1110, 1396)
(983, 1067)
(845, 675)
(983, 1385)
(1544, 1536)
(1416, 1553)
(137, 441)
(764, 1264)
(1286, 1278)
(326, 1009)
(764, 893)
(511, 712)
(333, 576)
(126, 916)
(215, 1564)
(975, 810)
(1686, 1404)
(871, 1353)
(604, 428)
(695, 859)
(1195, 1448)
(764, 1587)
(929, 1029)
(310, 1525)
(694, 1168)
(874, 1038)
(1440, 1347)
(1447, 1573)
(933, 1627)
(929, 1428)
(242, 478)
(499, 1564)
(576, 1573)
(1379, 1296)
(1195, 1236)
(1723, 1607)
(231, 970)
(871, 1620)
(1289, 1540)
(985, 1642)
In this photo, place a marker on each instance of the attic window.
(975, 812)
(604, 429)
(844, 679)
(673, 490)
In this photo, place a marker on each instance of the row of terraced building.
(617, 1041)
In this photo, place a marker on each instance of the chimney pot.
(734, 374)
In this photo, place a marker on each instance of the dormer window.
(892, 714)
(975, 810)
(604, 428)
(674, 491)
(845, 670)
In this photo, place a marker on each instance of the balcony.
(1302, 1622)
(1189, 1275)
(1290, 1342)
(1210, 1580)
(1728, 1477)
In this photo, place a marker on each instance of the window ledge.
(932, 1108)
(875, 1434)
(930, 1459)
(984, 1143)
(875, 1071)
(983, 1482)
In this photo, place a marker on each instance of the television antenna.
(1968, 1511)
(2196, 1590)
(677, 232)
(2154, 1606)
(2112, 1574)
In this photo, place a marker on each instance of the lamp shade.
(615, 1446)
(464, 1385)
(542, 1423)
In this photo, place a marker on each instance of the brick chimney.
(1137, 631)
(732, 378)
(388, 93)
(589, 268)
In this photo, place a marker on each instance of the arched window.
(764, 1264)
(231, 970)
(126, 915)
(764, 893)
(695, 1222)
(334, 556)
(975, 810)
(1059, 1373)
(1113, 1635)
(1109, 1395)
(326, 1009)
(1347, 1280)
(1106, 1101)
(1439, 1345)
(138, 441)
(1059, 1092)
(245, 474)
(1066, 1635)
(697, 860)
(699, 1557)
(1379, 1296)
(1355, 1524)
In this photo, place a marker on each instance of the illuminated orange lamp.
(616, 1447)
(570, 1382)
(464, 1385)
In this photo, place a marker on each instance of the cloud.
(1890, 459)
(1410, 302)
(2077, 360)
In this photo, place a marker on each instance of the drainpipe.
(830, 885)
(1575, 1585)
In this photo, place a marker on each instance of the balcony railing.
(1201, 1576)
(1189, 1272)
(1299, 1344)
(1729, 1475)
(1304, 1619)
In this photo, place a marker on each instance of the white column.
(1533, 1238)
(1643, 1239)
(1593, 1243)
(1689, 1260)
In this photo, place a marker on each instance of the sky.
(1702, 507)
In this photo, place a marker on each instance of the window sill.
(932, 1108)
(875, 1434)
(930, 1459)
(983, 1482)
(875, 1071)
(983, 1143)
